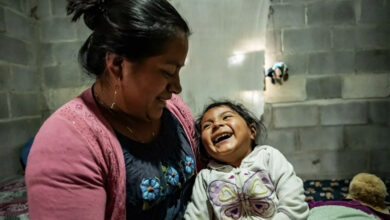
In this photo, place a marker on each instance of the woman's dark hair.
(135, 29)
(249, 118)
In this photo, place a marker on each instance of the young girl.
(242, 180)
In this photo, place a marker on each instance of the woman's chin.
(155, 115)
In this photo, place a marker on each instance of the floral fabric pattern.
(150, 188)
(189, 165)
(173, 176)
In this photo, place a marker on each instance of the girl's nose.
(217, 124)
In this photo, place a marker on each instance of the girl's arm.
(288, 188)
(64, 180)
(199, 207)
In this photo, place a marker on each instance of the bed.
(13, 201)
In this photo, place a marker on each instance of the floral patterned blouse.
(159, 174)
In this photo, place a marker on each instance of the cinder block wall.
(20, 90)
(331, 118)
(59, 43)
(38, 71)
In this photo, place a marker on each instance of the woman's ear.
(114, 65)
(253, 129)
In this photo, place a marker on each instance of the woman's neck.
(137, 129)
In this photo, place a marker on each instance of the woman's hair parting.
(135, 29)
(248, 116)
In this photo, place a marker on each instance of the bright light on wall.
(236, 60)
(253, 99)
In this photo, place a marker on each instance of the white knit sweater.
(263, 187)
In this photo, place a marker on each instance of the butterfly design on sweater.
(252, 199)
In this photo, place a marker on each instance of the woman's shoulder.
(179, 108)
(77, 118)
(80, 111)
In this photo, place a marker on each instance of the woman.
(124, 147)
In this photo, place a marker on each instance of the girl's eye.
(226, 117)
(205, 126)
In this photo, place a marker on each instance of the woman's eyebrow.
(172, 62)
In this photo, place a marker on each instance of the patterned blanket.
(13, 201)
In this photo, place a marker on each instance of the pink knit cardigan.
(76, 169)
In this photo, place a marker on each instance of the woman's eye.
(167, 73)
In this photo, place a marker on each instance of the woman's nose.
(174, 85)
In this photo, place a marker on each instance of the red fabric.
(14, 203)
(76, 170)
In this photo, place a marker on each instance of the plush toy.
(278, 72)
(369, 190)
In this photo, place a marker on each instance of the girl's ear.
(114, 65)
(252, 127)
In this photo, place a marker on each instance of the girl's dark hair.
(135, 29)
(249, 118)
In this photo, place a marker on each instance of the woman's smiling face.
(146, 86)
(226, 136)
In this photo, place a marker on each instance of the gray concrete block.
(15, 133)
(55, 98)
(87, 79)
(5, 78)
(28, 104)
(43, 9)
(284, 140)
(331, 12)
(366, 86)
(321, 138)
(67, 75)
(14, 50)
(375, 11)
(287, 15)
(373, 61)
(14, 4)
(326, 87)
(305, 164)
(2, 20)
(379, 111)
(273, 42)
(379, 162)
(373, 37)
(292, 90)
(367, 137)
(266, 118)
(46, 54)
(18, 26)
(66, 51)
(297, 63)
(330, 63)
(83, 31)
(344, 113)
(58, 8)
(4, 113)
(25, 79)
(306, 40)
(346, 161)
(296, 1)
(9, 162)
(58, 29)
(344, 38)
(295, 116)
